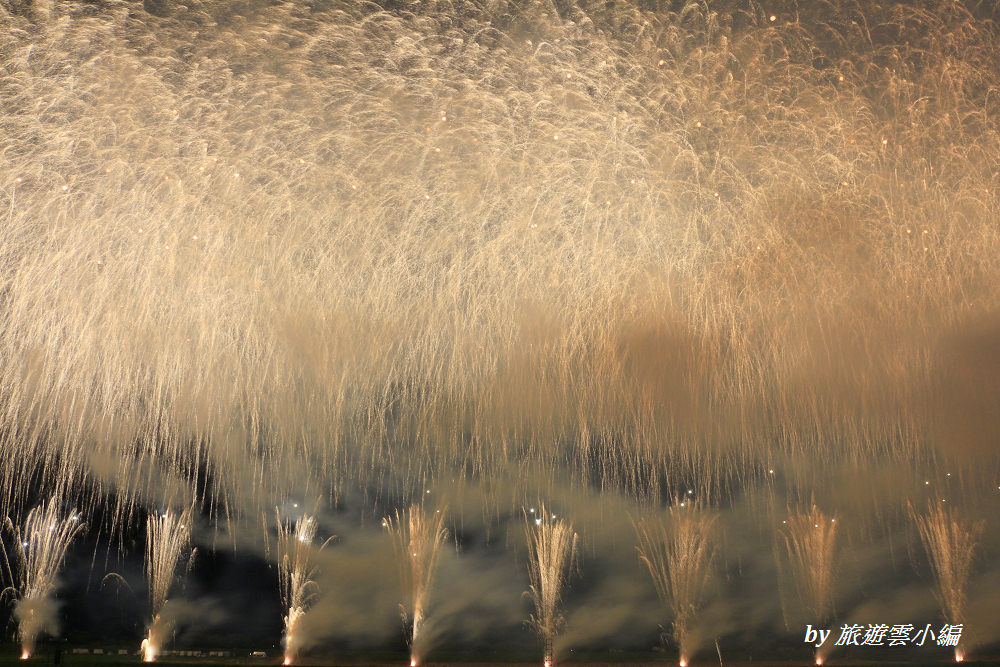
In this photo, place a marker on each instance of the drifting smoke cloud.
(358, 599)
(35, 618)
(199, 618)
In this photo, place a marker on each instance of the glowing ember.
(25, 655)
(959, 656)
(819, 661)
(413, 662)
(287, 661)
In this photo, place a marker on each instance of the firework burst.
(140, 323)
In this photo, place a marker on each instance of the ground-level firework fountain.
(810, 552)
(168, 539)
(40, 548)
(951, 543)
(417, 536)
(679, 550)
(551, 560)
(296, 572)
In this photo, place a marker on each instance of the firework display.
(552, 551)
(168, 537)
(715, 280)
(679, 552)
(296, 568)
(40, 547)
(417, 536)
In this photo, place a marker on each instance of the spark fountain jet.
(551, 559)
(168, 537)
(296, 572)
(417, 535)
(40, 549)
(810, 540)
(951, 543)
(679, 550)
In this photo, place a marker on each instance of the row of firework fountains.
(678, 548)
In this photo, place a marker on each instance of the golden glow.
(25, 655)
(148, 651)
